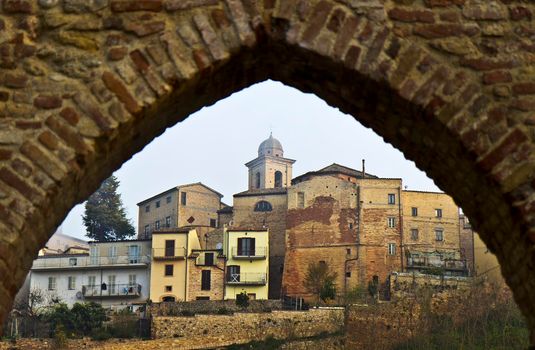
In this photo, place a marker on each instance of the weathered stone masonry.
(86, 84)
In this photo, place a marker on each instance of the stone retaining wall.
(212, 307)
(245, 327)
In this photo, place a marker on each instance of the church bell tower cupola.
(270, 169)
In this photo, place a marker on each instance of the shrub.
(60, 337)
(187, 313)
(100, 334)
(242, 300)
(224, 311)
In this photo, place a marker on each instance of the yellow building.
(169, 272)
(247, 252)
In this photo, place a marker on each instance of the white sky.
(212, 146)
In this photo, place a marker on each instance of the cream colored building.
(247, 267)
(169, 274)
(187, 205)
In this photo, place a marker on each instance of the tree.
(319, 280)
(105, 217)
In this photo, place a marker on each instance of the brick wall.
(217, 279)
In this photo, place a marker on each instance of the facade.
(171, 248)
(186, 205)
(114, 274)
(247, 264)
(432, 234)
(206, 275)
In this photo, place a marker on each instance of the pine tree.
(105, 217)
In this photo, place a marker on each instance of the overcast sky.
(212, 146)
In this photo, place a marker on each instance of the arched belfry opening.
(77, 104)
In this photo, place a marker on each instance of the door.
(133, 254)
(112, 254)
(93, 253)
(246, 246)
(170, 247)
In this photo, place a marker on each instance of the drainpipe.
(400, 227)
(186, 274)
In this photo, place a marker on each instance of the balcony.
(176, 253)
(112, 291)
(250, 279)
(257, 253)
(424, 262)
(51, 262)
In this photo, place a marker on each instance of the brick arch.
(86, 84)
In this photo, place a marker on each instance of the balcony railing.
(247, 278)
(250, 254)
(66, 262)
(175, 253)
(434, 262)
(112, 291)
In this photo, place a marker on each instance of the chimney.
(363, 168)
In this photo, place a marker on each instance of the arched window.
(278, 179)
(168, 299)
(263, 206)
(257, 180)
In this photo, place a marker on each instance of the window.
(391, 198)
(414, 211)
(111, 284)
(168, 199)
(209, 259)
(147, 208)
(350, 225)
(51, 283)
(233, 273)
(112, 254)
(147, 228)
(157, 225)
(263, 206)
(246, 246)
(71, 283)
(257, 180)
(414, 234)
(348, 274)
(168, 270)
(168, 288)
(73, 261)
(202, 298)
(205, 279)
(278, 179)
(300, 199)
(168, 299)
(133, 254)
(169, 247)
(439, 235)
(213, 223)
(183, 198)
(132, 280)
(91, 281)
(391, 222)
(391, 248)
(438, 213)
(168, 221)
(348, 251)
(157, 204)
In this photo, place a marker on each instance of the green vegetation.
(105, 216)
(81, 320)
(242, 300)
(319, 281)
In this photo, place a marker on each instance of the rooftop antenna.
(363, 168)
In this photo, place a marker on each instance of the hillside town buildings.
(192, 246)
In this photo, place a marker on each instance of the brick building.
(186, 205)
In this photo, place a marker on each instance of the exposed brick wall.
(85, 85)
(217, 279)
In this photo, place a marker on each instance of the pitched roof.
(176, 188)
(338, 168)
(262, 192)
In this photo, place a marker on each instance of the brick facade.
(85, 85)
(196, 266)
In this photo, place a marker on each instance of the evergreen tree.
(105, 217)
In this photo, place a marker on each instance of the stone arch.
(86, 84)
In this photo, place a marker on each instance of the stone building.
(186, 205)
(206, 274)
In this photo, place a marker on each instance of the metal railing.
(434, 262)
(169, 253)
(63, 262)
(111, 290)
(252, 253)
(250, 278)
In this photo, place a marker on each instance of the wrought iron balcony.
(112, 291)
(250, 278)
(87, 261)
(256, 253)
(175, 253)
